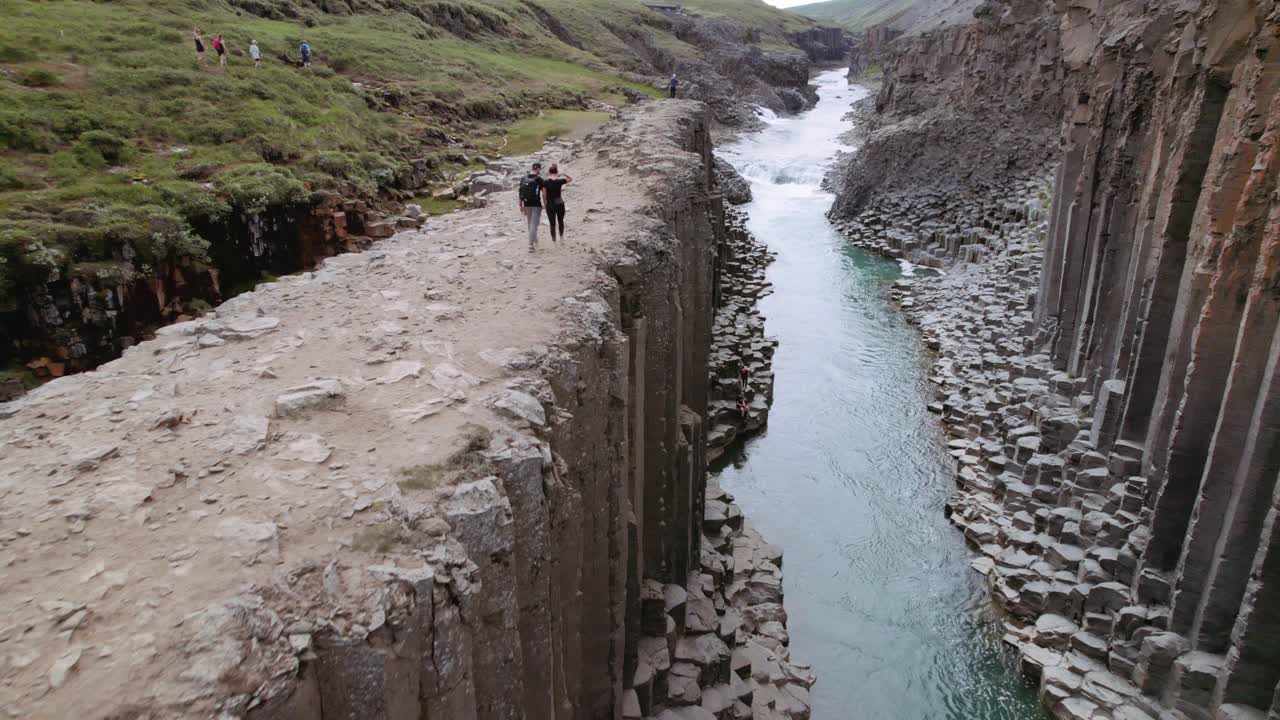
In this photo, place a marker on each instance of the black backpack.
(529, 190)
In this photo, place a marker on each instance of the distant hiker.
(255, 53)
(743, 408)
(744, 377)
(220, 48)
(305, 50)
(551, 196)
(199, 46)
(530, 200)
(675, 83)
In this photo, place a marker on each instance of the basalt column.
(1161, 288)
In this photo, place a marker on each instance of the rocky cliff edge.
(446, 478)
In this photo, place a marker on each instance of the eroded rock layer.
(1108, 350)
(442, 479)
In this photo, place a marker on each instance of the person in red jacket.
(220, 48)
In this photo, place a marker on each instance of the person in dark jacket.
(554, 200)
(199, 46)
(529, 199)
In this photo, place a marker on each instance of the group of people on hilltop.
(220, 47)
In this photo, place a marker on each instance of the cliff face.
(869, 50)
(1108, 346)
(419, 482)
(824, 44)
(734, 76)
(75, 322)
(962, 108)
(1159, 287)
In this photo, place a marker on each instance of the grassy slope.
(113, 141)
(854, 14)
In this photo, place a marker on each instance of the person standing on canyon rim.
(255, 53)
(553, 200)
(530, 201)
(673, 85)
(199, 46)
(220, 48)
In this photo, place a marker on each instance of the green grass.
(528, 135)
(19, 375)
(437, 206)
(855, 14)
(753, 13)
(106, 119)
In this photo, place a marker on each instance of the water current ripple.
(851, 476)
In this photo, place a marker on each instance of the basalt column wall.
(1161, 287)
(542, 617)
(588, 578)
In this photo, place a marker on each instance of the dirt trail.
(183, 472)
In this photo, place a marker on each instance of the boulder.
(316, 395)
(734, 187)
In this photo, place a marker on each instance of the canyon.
(1026, 417)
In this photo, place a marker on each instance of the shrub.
(9, 179)
(195, 203)
(253, 188)
(338, 164)
(106, 273)
(14, 54)
(100, 144)
(30, 249)
(20, 130)
(65, 168)
(39, 77)
(275, 150)
(200, 171)
(368, 172)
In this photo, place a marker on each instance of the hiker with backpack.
(553, 199)
(305, 51)
(530, 201)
